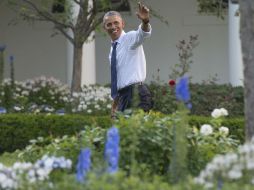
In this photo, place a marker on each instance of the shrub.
(17, 129)
(235, 125)
(204, 98)
(49, 95)
(234, 167)
(146, 146)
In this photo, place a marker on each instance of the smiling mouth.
(114, 31)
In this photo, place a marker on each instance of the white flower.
(224, 112)
(219, 112)
(218, 161)
(65, 99)
(84, 107)
(37, 111)
(21, 166)
(3, 177)
(230, 159)
(235, 173)
(16, 108)
(224, 130)
(25, 93)
(97, 106)
(249, 163)
(206, 129)
(43, 173)
(49, 109)
(216, 113)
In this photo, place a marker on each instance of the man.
(128, 63)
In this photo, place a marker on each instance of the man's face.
(114, 26)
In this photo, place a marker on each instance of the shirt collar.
(119, 40)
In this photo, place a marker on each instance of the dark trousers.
(135, 96)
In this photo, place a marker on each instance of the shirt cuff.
(145, 34)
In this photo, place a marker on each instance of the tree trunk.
(247, 40)
(77, 69)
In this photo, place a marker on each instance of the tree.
(246, 8)
(60, 13)
(247, 41)
(217, 7)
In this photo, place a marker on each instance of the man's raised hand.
(143, 13)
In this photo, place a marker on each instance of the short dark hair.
(111, 13)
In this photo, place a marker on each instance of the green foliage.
(235, 125)
(42, 95)
(148, 142)
(145, 143)
(67, 146)
(164, 97)
(52, 9)
(204, 98)
(118, 181)
(204, 148)
(185, 53)
(217, 7)
(178, 166)
(17, 129)
(146, 147)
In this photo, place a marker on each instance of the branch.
(47, 15)
(95, 24)
(78, 2)
(65, 33)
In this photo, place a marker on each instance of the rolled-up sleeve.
(143, 33)
(140, 36)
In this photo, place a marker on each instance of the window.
(125, 7)
(223, 4)
(122, 5)
(235, 1)
(58, 6)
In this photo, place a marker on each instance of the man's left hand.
(143, 13)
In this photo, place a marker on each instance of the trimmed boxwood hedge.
(17, 129)
(235, 125)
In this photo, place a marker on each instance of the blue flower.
(11, 58)
(182, 90)
(2, 110)
(188, 105)
(60, 112)
(112, 149)
(2, 48)
(83, 165)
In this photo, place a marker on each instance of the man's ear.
(123, 23)
(103, 26)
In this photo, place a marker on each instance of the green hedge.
(204, 98)
(235, 125)
(17, 129)
(147, 142)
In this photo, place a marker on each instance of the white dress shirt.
(131, 62)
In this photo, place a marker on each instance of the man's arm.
(145, 26)
(143, 14)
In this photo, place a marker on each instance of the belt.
(138, 83)
(134, 84)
